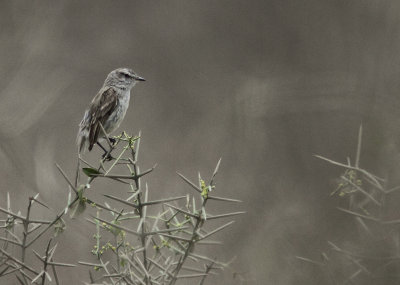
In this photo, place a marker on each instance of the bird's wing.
(102, 106)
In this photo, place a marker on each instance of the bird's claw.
(112, 140)
(107, 156)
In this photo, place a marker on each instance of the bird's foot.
(112, 140)
(107, 156)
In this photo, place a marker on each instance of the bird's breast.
(118, 115)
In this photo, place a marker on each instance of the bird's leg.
(107, 154)
(102, 147)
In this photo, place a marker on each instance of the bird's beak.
(138, 78)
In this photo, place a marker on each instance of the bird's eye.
(123, 74)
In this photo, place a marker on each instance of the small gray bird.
(108, 107)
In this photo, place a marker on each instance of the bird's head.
(124, 78)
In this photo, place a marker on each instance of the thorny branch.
(145, 248)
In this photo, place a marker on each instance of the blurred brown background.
(264, 84)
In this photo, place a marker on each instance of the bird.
(107, 109)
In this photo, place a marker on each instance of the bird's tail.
(82, 140)
(78, 168)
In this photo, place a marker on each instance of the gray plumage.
(108, 107)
